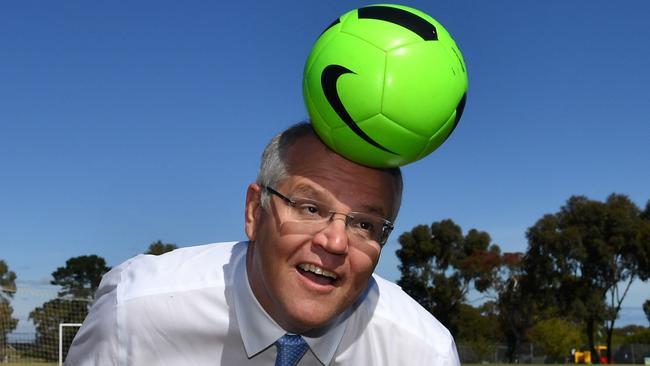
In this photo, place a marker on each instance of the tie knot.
(291, 348)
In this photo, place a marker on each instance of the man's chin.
(311, 322)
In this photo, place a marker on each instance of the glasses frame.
(386, 229)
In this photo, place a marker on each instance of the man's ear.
(253, 210)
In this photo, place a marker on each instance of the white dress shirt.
(194, 306)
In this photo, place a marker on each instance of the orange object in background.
(585, 356)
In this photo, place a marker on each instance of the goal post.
(61, 326)
(46, 324)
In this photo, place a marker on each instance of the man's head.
(306, 264)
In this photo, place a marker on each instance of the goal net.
(67, 331)
(37, 325)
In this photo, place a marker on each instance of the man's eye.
(365, 225)
(309, 209)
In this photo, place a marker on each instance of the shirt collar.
(259, 331)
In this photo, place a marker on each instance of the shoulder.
(391, 319)
(182, 269)
(397, 307)
(137, 296)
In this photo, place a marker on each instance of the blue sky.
(122, 123)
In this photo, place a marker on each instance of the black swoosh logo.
(403, 18)
(328, 80)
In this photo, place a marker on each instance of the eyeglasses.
(317, 215)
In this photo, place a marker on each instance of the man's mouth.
(317, 273)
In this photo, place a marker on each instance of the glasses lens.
(366, 226)
(314, 215)
(308, 210)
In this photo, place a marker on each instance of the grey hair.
(274, 158)
(274, 166)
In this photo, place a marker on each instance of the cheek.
(362, 263)
(266, 255)
(277, 248)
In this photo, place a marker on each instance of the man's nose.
(334, 237)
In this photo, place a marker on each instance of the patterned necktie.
(291, 348)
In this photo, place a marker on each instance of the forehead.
(312, 167)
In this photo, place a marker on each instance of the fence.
(529, 354)
(30, 329)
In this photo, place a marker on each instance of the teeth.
(315, 269)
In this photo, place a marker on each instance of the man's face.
(283, 256)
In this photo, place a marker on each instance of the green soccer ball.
(385, 85)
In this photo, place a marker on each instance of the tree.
(645, 215)
(7, 290)
(47, 319)
(81, 276)
(646, 309)
(556, 337)
(638, 335)
(631, 334)
(439, 266)
(158, 248)
(479, 328)
(583, 259)
(7, 281)
(79, 280)
(515, 305)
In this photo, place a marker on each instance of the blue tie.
(291, 348)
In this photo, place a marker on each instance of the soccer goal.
(62, 334)
(37, 325)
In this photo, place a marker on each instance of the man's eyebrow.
(374, 210)
(307, 191)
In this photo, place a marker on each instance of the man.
(301, 290)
